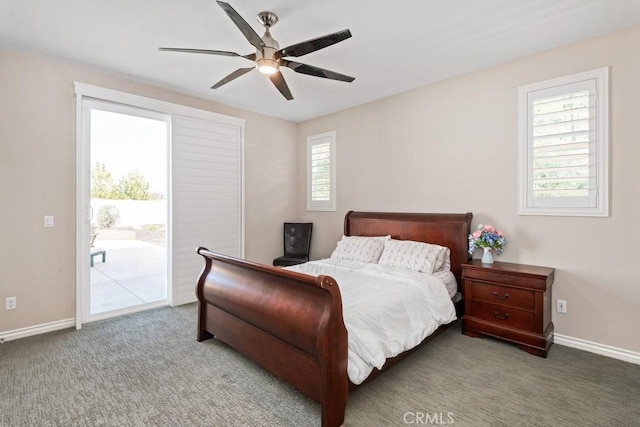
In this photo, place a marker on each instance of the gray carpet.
(147, 369)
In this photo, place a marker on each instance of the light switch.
(48, 221)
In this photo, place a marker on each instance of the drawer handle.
(500, 316)
(497, 296)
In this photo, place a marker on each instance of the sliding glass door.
(128, 194)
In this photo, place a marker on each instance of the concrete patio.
(134, 273)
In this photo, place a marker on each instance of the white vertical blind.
(207, 196)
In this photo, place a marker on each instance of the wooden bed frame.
(291, 323)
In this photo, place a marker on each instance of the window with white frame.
(563, 145)
(321, 172)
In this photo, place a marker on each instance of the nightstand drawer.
(503, 295)
(501, 315)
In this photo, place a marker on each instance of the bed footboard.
(289, 323)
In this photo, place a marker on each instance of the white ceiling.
(396, 46)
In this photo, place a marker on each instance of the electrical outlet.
(561, 306)
(10, 303)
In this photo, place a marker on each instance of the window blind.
(563, 160)
(207, 196)
(321, 172)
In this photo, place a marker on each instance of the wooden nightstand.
(509, 301)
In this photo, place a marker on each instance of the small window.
(321, 172)
(563, 146)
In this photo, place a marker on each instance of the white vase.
(487, 257)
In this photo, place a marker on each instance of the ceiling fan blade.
(242, 25)
(315, 71)
(250, 56)
(278, 80)
(312, 45)
(237, 73)
(206, 51)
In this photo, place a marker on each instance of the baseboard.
(601, 349)
(36, 330)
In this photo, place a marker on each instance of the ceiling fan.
(269, 57)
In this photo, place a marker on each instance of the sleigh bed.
(292, 323)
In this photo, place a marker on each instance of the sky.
(125, 143)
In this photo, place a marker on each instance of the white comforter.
(386, 310)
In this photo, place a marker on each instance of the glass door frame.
(118, 102)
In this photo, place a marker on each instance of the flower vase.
(487, 258)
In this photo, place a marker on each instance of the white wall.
(451, 147)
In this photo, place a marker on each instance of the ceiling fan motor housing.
(266, 61)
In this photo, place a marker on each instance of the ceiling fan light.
(267, 66)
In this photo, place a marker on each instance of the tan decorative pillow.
(416, 256)
(360, 248)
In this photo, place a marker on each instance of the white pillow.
(360, 248)
(416, 256)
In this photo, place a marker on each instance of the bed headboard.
(445, 229)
